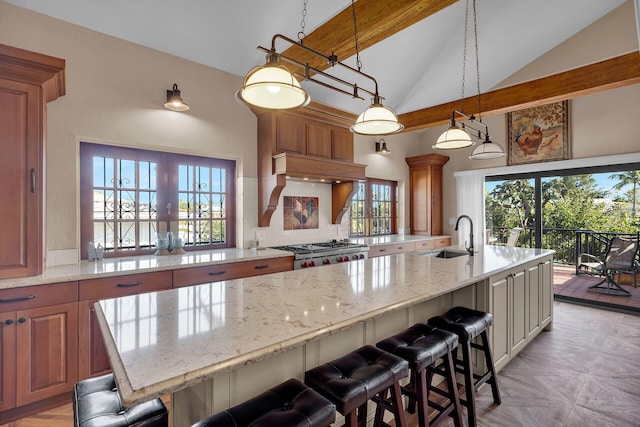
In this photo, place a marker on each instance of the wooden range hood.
(311, 143)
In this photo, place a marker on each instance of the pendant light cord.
(475, 31)
(301, 35)
(355, 35)
(464, 54)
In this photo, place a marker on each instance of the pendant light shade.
(377, 120)
(487, 150)
(453, 138)
(174, 101)
(272, 86)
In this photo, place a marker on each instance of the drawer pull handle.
(33, 180)
(128, 285)
(400, 247)
(9, 322)
(217, 273)
(22, 320)
(18, 299)
(261, 267)
(383, 250)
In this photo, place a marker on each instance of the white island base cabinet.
(231, 388)
(521, 302)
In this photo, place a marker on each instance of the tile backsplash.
(275, 235)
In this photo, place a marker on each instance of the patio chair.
(620, 258)
(513, 237)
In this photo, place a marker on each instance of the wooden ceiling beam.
(609, 74)
(376, 20)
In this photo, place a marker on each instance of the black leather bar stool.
(96, 403)
(367, 373)
(291, 404)
(468, 324)
(422, 346)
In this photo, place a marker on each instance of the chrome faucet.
(470, 248)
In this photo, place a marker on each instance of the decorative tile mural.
(300, 212)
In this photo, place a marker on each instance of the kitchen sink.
(447, 253)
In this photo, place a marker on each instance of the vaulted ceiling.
(413, 48)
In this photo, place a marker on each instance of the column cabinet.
(38, 343)
(425, 187)
(27, 82)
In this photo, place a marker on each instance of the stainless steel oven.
(325, 253)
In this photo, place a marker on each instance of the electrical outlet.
(452, 221)
(261, 235)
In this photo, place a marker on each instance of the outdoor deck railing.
(567, 242)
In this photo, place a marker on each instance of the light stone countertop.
(392, 238)
(140, 264)
(165, 341)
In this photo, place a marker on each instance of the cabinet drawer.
(235, 270)
(37, 296)
(109, 287)
(442, 242)
(425, 244)
(393, 248)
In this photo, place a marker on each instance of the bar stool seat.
(469, 324)
(96, 403)
(422, 346)
(291, 404)
(367, 373)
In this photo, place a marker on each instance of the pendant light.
(456, 136)
(273, 86)
(487, 150)
(377, 120)
(174, 101)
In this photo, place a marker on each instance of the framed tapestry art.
(538, 134)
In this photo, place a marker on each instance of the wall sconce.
(174, 102)
(381, 147)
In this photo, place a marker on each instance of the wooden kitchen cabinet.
(425, 189)
(38, 344)
(441, 242)
(27, 82)
(235, 270)
(92, 356)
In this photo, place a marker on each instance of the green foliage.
(568, 202)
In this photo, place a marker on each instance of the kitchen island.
(215, 345)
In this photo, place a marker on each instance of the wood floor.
(583, 373)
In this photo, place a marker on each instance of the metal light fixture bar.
(331, 59)
(273, 86)
(481, 134)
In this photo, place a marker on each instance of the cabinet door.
(533, 303)
(519, 311)
(546, 292)
(92, 355)
(420, 201)
(20, 172)
(47, 352)
(318, 140)
(93, 359)
(436, 200)
(290, 134)
(341, 145)
(7, 360)
(499, 307)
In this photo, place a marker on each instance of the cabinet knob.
(22, 320)
(9, 322)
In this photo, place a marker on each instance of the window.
(128, 196)
(373, 208)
